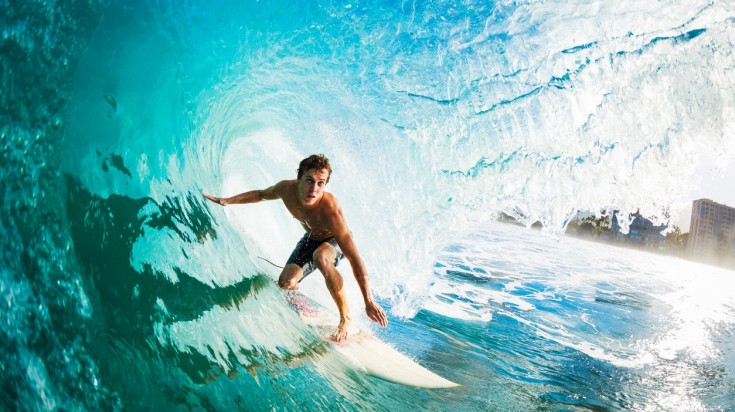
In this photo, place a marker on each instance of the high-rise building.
(712, 229)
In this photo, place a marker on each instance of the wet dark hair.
(315, 161)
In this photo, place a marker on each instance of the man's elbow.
(266, 195)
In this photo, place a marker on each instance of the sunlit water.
(123, 289)
(586, 324)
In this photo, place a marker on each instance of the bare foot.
(340, 334)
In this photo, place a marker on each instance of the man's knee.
(290, 284)
(323, 260)
(290, 277)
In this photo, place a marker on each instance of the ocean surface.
(123, 289)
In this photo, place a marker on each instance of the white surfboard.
(366, 351)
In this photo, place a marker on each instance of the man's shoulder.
(330, 205)
(331, 200)
(284, 185)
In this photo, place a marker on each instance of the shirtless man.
(326, 241)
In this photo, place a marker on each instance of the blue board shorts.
(303, 254)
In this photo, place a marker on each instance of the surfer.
(327, 239)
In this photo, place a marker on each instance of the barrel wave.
(123, 289)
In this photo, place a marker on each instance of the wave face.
(123, 289)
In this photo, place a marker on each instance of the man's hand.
(376, 314)
(218, 200)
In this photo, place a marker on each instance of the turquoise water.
(123, 290)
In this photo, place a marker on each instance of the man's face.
(311, 186)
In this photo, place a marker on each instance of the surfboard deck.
(364, 350)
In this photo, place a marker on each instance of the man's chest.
(311, 219)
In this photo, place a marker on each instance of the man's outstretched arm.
(252, 196)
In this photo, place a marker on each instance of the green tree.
(598, 225)
(677, 240)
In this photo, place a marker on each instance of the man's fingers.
(378, 316)
(213, 199)
(383, 319)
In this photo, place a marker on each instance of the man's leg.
(324, 258)
(290, 276)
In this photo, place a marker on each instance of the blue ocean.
(124, 289)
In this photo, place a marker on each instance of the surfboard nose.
(381, 360)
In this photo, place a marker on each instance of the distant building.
(641, 232)
(712, 229)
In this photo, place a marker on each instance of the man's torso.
(317, 220)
